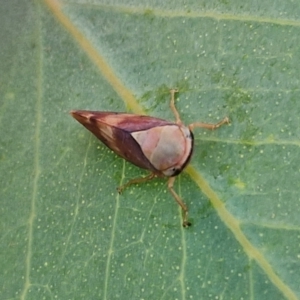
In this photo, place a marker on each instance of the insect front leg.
(173, 107)
(183, 206)
(135, 181)
(208, 125)
(196, 124)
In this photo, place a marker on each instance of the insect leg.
(173, 107)
(184, 208)
(135, 181)
(208, 125)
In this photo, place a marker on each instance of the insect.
(162, 147)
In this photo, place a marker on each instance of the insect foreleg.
(173, 107)
(183, 206)
(208, 125)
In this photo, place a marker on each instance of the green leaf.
(66, 233)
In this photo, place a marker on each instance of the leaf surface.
(65, 231)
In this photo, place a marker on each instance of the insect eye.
(176, 171)
(173, 171)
